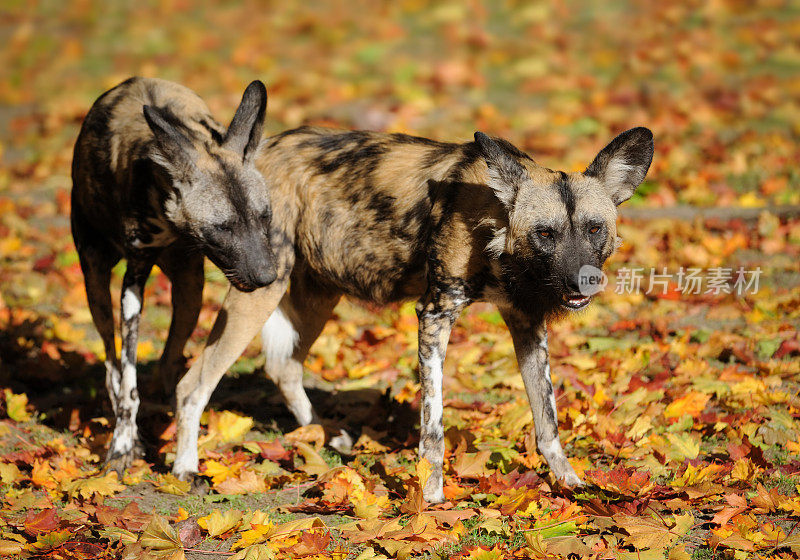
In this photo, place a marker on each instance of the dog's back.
(367, 204)
(111, 168)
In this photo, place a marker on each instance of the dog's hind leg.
(125, 446)
(287, 337)
(184, 268)
(96, 265)
(530, 344)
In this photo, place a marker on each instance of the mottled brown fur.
(155, 177)
(387, 217)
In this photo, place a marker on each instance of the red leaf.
(46, 521)
(788, 347)
(273, 450)
(628, 482)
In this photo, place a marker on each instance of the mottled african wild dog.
(386, 217)
(157, 181)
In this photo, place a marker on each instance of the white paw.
(434, 497)
(342, 443)
(569, 478)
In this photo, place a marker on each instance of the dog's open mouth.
(575, 301)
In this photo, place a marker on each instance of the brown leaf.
(189, 532)
(130, 517)
(312, 433)
(310, 542)
(247, 482)
(471, 465)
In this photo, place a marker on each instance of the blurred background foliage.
(717, 81)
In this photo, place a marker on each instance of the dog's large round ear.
(623, 164)
(506, 174)
(176, 152)
(244, 133)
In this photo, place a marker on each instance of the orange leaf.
(310, 542)
(692, 404)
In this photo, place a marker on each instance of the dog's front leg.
(239, 320)
(436, 318)
(122, 386)
(530, 343)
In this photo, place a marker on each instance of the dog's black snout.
(263, 276)
(573, 283)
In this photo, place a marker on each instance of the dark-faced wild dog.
(387, 217)
(157, 181)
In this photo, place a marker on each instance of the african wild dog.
(386, 217)
(157, 181)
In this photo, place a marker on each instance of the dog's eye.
(594, 229)
(547, 234)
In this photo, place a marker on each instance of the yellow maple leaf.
(64, 330)
(103, 485)
(366, 444)
(369, 554)
(363, 370)
(582, 362)
(693, 475)
(163, 539)
(218, 523)
(684, 446)
(751, 200)
(219, 472)
(284, 530)
(10, 548)
(370, 506)
(744, 470)
(315, 464)
(9, 246)
(229, 426)
(9, 473)
(65, 469)
(170, 484)
(640, 427)
(645, 532)
(257, 534)
(255, 517)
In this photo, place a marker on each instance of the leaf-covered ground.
(679, 409)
